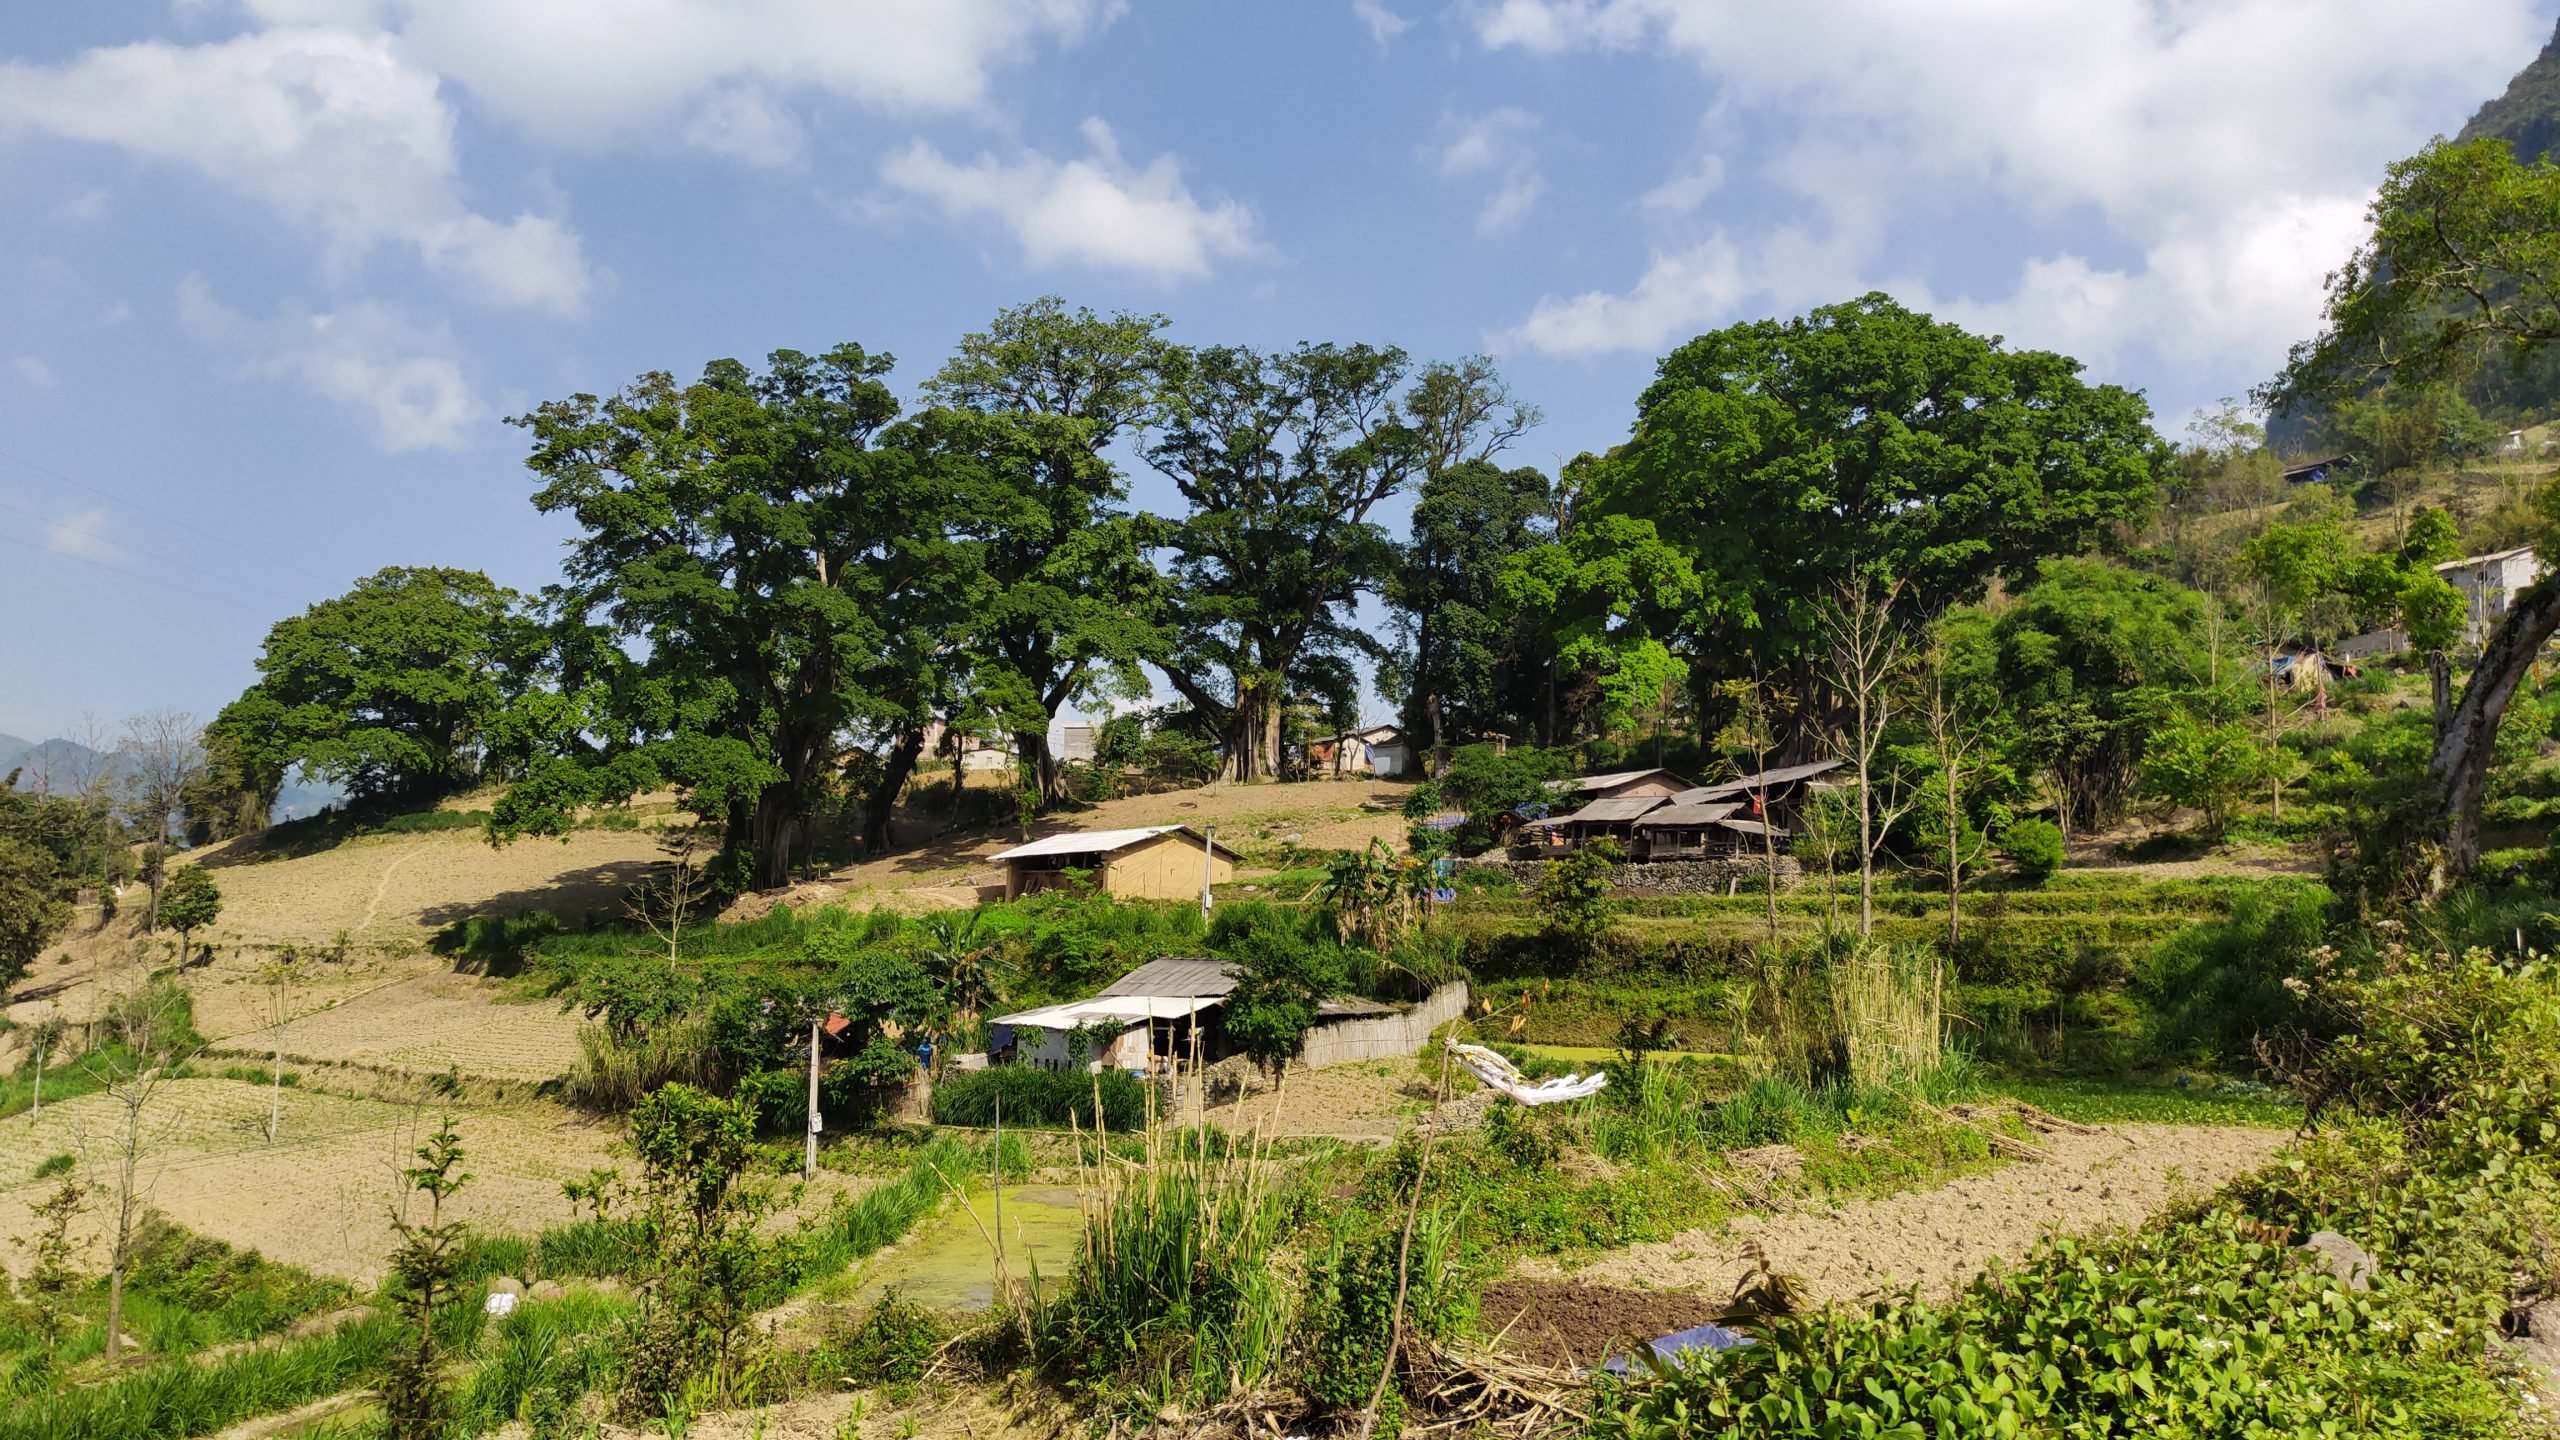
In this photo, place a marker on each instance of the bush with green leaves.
(2033, 849)
(1575, 913)
(1288, 969)
(2442, 1159)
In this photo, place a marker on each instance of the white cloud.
(81, 533)
(641, 66)
(1098, 211)
(115, 314)
(1384, 24)
(1495, 143)
(401, 377)
(2155, 123)
(32, 372)
(744, 123)
(86, 206)
(1687, 189)
(334, 131)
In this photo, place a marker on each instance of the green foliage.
(2204, 767)
(1283, 458)
(1488, 785)
(32, 910)
(1781, 460)
(1350, 1311)
(735, 523)
(1473, 663)
(703, 1266)
(189, 901)
(1574, 910)
(173, 1402)
(1173, 1298)
(424, 1270)
(2086, 657)
(1035, 1098)
(395, 690)
(1070, 604)
(1287, 973)
(2033, 849)
(892, 1346)
(2213, 989)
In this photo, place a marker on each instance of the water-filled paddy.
(947, 1264)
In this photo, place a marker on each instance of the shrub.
(1351, 1296)
(893, 1345)
(1035, 1098)
(2033, 848)
(1573, 900)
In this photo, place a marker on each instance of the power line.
(212, 575)
(164, 518)
(130, 574)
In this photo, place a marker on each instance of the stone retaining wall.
(1737, 876)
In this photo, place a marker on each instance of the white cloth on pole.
(1497, 1073)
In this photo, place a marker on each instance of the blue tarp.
(1679, 1343)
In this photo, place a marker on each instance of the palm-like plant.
(966, 961)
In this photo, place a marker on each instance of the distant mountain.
(2528, 115)
(68, 763)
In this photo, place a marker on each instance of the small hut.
(1152, 862)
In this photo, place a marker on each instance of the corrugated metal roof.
(1183, 977)
(1614, 780)
(1683, 815)
(1095, 842)
(1749, 827)
(1742, 785)
(1615, 812)
(1129, 1008)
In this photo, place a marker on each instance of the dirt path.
(1940, 1239)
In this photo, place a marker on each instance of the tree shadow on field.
(578, 897)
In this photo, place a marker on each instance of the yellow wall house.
(1154, 862)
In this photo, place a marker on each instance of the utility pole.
(809, 1162)
(1208, 865)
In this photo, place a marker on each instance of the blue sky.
(273, 271)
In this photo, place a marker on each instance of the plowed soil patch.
(1565, 1322)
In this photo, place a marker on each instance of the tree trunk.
(159, 873)
(1439, 736)
(1040, 762)
(1253, 732)
(883, 799)
(2460, 767)
(1955, 854)
(2440, 683)
(772, 830)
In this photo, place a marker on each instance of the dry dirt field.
(1940, 1239)
(391, 890)
(945, 872)
(321, 1195)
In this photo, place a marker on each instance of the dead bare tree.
(277, 976)
(1955, 747)
(1866, 642)
(1753, 731)
(152, 1041)
(162, 753)
(665, 901)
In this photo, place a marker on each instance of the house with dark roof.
(1654, 815)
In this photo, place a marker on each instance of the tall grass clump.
(1024, 1095)
(1888, 1008)
(174, 1401)
(1850, 1010)
(614, 1073)
(1173, 1299)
